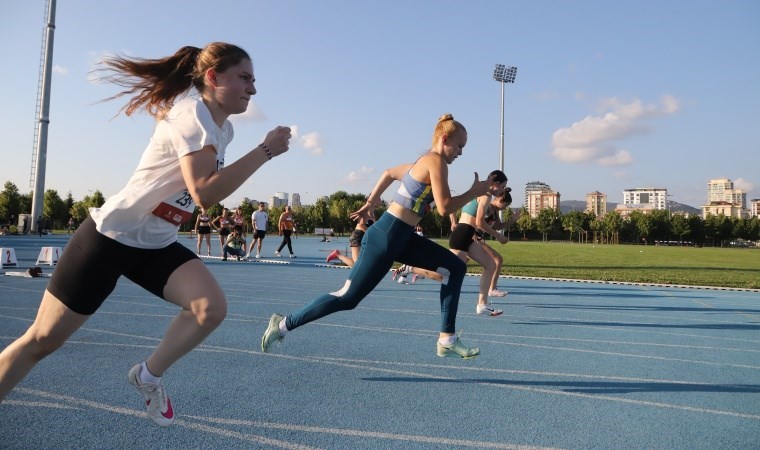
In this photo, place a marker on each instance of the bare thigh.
(192, 283)
(55, 322)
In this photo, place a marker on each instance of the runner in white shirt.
(259, 221)
(135, 232)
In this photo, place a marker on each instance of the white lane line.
(39, 404)
(182, 423)
(504, 385)
(558, 392)
(369, 434)
(519, 372)
(499, 342)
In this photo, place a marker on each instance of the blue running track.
(568, 365)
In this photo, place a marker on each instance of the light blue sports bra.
(414, 195)
(471, 207)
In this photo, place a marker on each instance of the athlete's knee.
(346, 301)
(489, 264)
(210, 311)
(41, 344)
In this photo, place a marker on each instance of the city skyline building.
(278, 199)
(723, 198)
(644, 200)
(538, 196)
(596, 203)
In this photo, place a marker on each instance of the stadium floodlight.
(503, 74)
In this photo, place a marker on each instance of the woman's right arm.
(385, 180)
(439, 180)
(208, 186)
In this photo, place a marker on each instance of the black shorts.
(355, 240)
(461, 237)
(224, 231)
(259, 234)
(91, 264)
(204, 229)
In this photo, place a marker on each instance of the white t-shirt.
(260, 219)
(147, 212)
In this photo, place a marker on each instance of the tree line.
(332, 212)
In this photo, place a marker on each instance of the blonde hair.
(447, 126)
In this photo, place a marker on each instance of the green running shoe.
(457, 350)
(272, 334)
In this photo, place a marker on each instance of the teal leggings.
(388, 240)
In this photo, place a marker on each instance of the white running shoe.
(157, 403)
(488, 311)
(277, 254)
(402, 271)
(258, 255)
(497, 293)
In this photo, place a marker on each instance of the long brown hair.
(154, 84)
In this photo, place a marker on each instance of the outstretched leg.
(54, 324)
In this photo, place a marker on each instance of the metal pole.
(43, 121)
(501, 154)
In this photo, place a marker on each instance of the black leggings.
(286, 240)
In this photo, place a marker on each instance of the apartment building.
(278, 199)
(644, 200)
(596, 203)
(723, 198)
(295, 200)
(538, 196)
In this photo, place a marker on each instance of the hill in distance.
(565, 206)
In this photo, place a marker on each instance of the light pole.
(503, 74)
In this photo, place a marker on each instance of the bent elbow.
(202, 198)
(444, 210)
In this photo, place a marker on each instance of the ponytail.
(154, 84)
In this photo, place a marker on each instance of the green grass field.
(723, 267)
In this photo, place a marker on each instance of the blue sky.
(609, 95)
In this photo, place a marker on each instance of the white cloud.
(594, 138)
(359, 176)
(60, 70)
(620, 158)
(310, 141)
(744, 185)
(253, 113)
(313, 143)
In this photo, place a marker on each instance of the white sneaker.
(488, 311)
(157, 403)
(258, 255)
(402, 271)
(497, 293)
(277, 254)
(292, 255)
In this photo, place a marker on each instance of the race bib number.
(177, 209)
